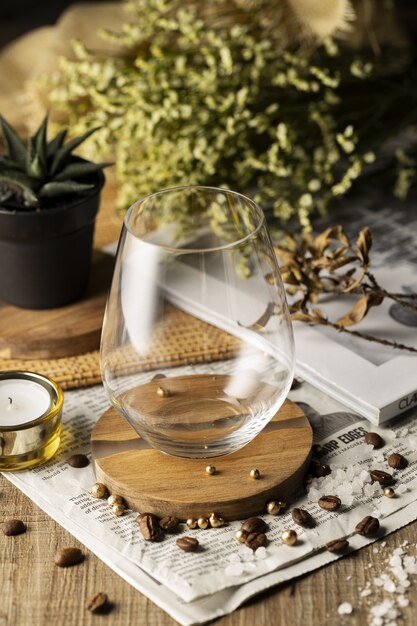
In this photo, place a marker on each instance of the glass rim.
(181, 250)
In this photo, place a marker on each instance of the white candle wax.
(22, 401)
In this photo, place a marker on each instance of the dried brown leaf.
(323, 240)
(360, 309)
(300, 316)
(364, 244)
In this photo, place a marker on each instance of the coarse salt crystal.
(365, 592)
(345, 608)
(389, 586)
(402, 489)
(403, 601)
(261, 553)
(314, 495)
(234, 569)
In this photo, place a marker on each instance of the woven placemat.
(185, 339)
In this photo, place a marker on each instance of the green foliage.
(29, 175)
(185, 99)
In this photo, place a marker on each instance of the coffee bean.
(329, 503)
(318, 470)
(337, 546)
(296, 383)
(302, 518)
(375, 440)
(318, 450)
(188, 544)
(383, 478)
(256, 540)
(66, 557)
(98, 604)
(149, 527)
(78, 460)
(254, 525)
(368, 527)
(13, 527)
(397, 461)
(168, 523)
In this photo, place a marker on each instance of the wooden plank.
(62, 332)
(34, 592)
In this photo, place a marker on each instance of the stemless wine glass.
(197, 348)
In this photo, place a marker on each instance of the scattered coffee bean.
(98, 604)
(66, 557)
(168, 523)
(368, 527)
(375, 440)
(78, 460)
(383, 478)
(163, 393)
(317, 450)
(318, 470)
(337, 546)
(158, 376)
(296, 383)
(254, 525)
(308, 479)
(397, 461)
(13, 527)
(329, 503)
(255, 474)
(255, 541)
(389, 492)
(188, 544)
(302, 518)
(149, 527)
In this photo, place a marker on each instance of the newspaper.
(197, 587)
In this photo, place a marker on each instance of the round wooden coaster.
(157, 483)
(63, 332)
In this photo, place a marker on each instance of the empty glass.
(197, 346)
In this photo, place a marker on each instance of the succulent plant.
(33, 175)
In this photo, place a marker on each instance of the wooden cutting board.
(63, 332)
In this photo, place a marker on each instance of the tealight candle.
(30, 419)
(22, 401)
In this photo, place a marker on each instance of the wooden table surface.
(34, 592)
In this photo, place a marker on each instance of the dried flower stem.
(356, 333)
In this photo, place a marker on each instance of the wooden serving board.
(154, 482)
(63, 332)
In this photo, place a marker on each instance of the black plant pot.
(45, 255)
